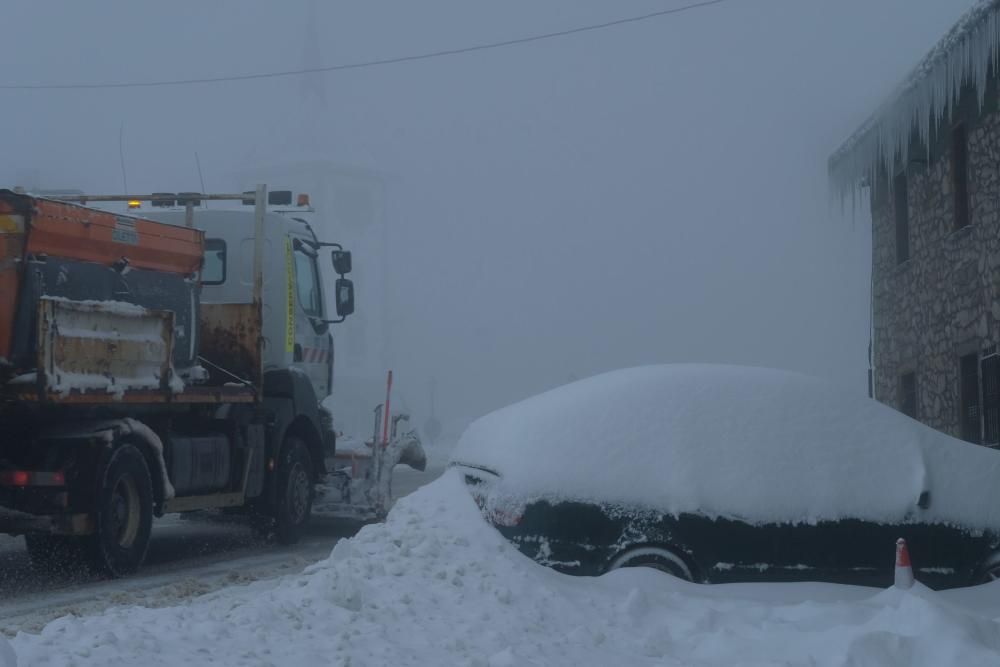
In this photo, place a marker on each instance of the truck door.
(312, 346)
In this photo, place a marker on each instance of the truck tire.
(296, 486)
(123, 515)
(55, 554)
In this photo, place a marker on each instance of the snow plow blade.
(411, 452)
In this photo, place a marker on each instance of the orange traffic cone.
(904, 571)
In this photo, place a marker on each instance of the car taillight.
(498, 511)
(506, 518)
(27, 478)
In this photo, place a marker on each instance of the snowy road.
(186, 558)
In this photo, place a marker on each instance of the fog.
(646, 193)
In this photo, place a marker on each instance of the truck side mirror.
(344, 290)
(341, 262)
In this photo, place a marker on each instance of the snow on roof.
(964, 54)
(748, 443)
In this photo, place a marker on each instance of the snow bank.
(435, 585)
(748, 443)
(7, 656)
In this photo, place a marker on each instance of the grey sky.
(650, 193)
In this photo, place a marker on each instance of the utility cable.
(364, 64)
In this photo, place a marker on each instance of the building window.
(989, 371)
(902, 207)
(960, 174)
(969, 397)
(908, 394)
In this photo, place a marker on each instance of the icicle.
(931, 92)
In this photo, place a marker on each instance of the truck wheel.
(55, 554)
(124, 514)
(296, 486)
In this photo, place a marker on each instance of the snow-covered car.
(723, 474)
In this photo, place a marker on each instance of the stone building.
(928, 161)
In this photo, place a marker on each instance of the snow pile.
(435, 585)
(746, 443)
(7, 656)
(122, 308)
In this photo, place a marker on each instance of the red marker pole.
(385, 425)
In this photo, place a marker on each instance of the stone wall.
(943, 302)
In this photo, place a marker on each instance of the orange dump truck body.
(67, 252)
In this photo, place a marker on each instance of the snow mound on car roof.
(755, 444)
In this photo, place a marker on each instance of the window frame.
(225, 261)
(961, 206)
(970, 404)
(908, 394)
(314, 271)
(989, 381)
(901, 212)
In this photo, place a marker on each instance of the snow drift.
(7, 656)
(746, 443)
(435, 585)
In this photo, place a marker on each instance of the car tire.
(55, 554)
(123, 517)
(295, 491)
(657, 558)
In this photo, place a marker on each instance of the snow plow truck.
(166, 362)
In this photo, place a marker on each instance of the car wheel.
(656, 558)
(296, 486)
(124, 514)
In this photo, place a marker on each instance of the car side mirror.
(924, 501)
(341, 261)
(344, 289)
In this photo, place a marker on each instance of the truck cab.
(296, 321)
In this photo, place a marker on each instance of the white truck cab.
(296, 324)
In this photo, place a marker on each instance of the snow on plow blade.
(411, 452)
(103, 347)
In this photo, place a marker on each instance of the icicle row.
(927, 95)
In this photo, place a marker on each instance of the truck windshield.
(307, 284)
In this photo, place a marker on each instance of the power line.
(364, 64)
